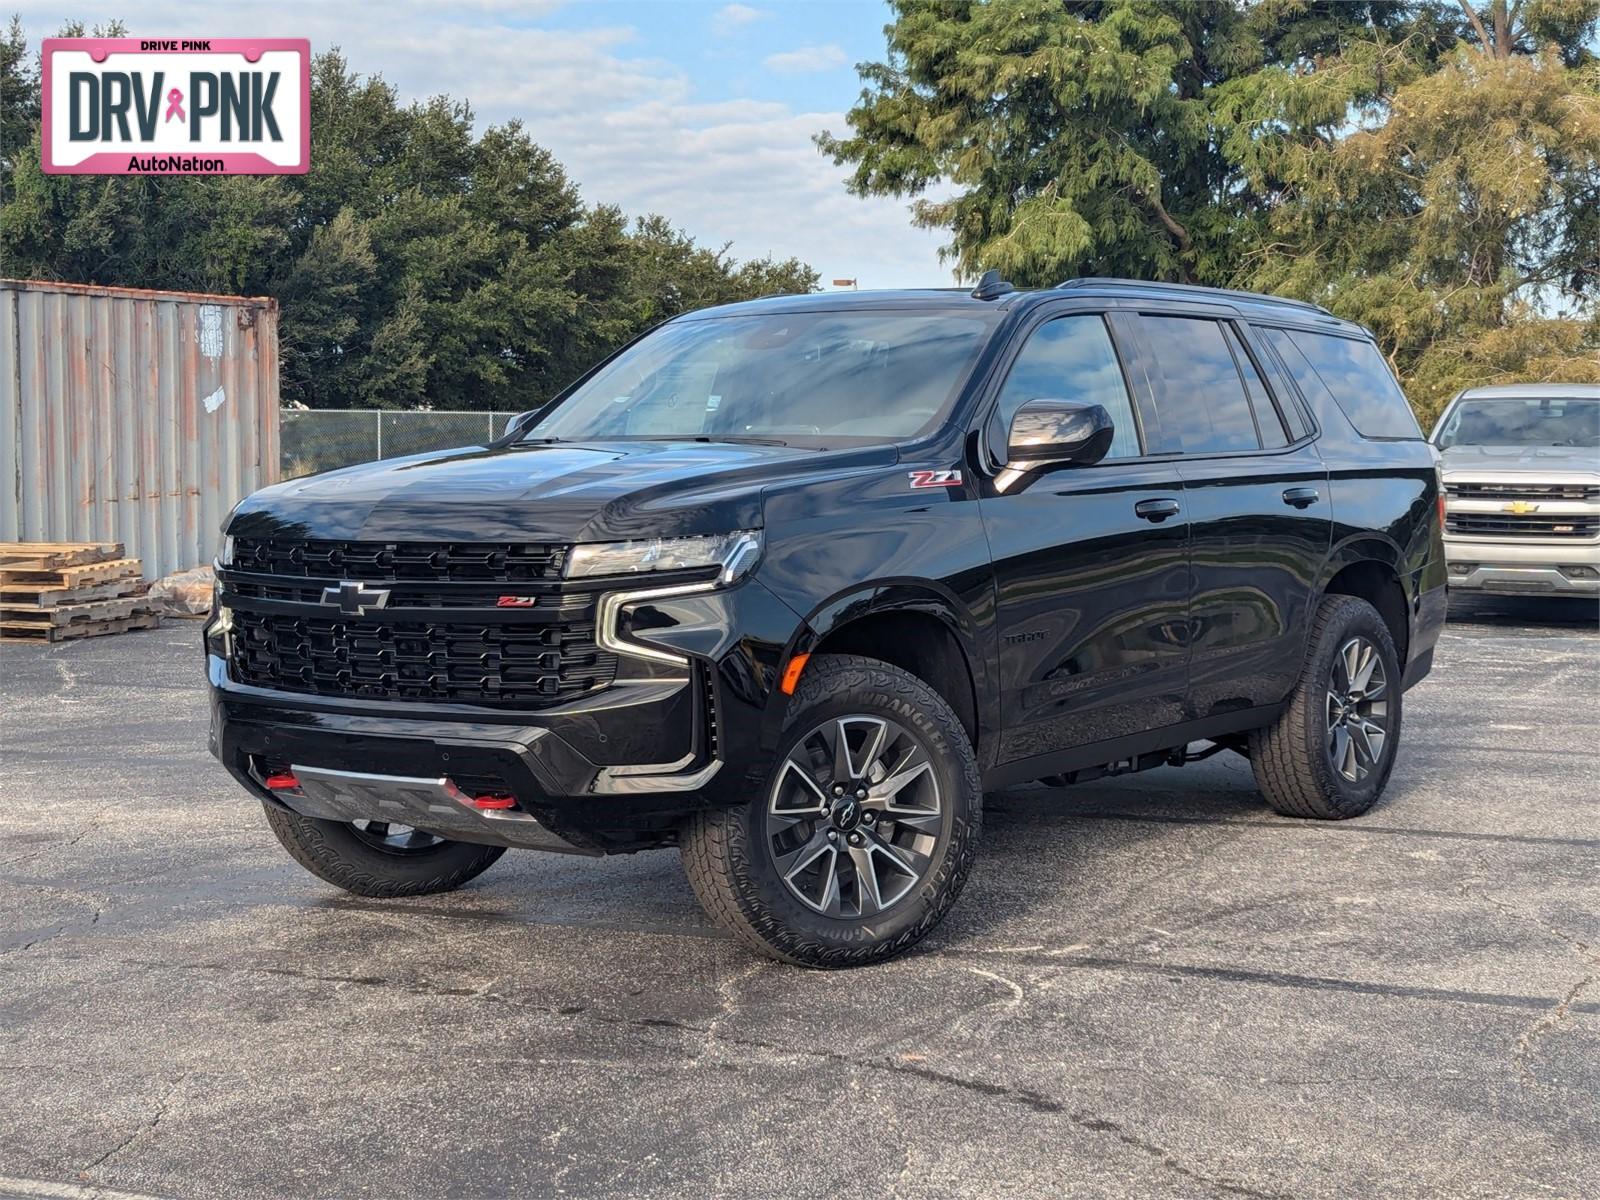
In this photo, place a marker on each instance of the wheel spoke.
(868, 899)
(1363, 748)
(918, 819)
(1366, 662)
(1344, 668)
(848, 764)
(802, 772)
(1339, 747)
(831, 904)
(798, 859)
(912, 767)
(1373, 735)
(784, 821)
(894, 854)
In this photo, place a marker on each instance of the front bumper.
(1522, 568)
(615, 771)
(592, 806)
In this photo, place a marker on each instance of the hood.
(570, 492)
(1474, 461)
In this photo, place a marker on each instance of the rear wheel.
(865, 833)
(379, 858)
(1329, 755)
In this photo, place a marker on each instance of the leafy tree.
(418, 263)
(1080, 137)
(1426, 167)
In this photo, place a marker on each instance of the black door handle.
(1301, 497)
(1156, 510)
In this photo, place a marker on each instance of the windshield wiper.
(737, 439)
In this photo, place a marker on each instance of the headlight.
(736, 553)
(225, 555)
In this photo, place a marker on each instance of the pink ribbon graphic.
(175, 105)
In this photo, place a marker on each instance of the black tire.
(1292, 759)
(729, 857)
(334, 852)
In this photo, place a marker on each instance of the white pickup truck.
(1522, 489)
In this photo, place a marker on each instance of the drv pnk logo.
(190, 106)
(935, 479)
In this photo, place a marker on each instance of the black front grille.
(389, 562)
(1523, 491)
(511, 664)
(410, 594)
(500, 631)
(1527, 525)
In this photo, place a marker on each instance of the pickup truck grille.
(1523, 491)
(445, 634)
(1523, 525)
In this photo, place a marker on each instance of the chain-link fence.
(313, 440)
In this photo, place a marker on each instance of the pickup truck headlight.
(736, 553)
(225, 554)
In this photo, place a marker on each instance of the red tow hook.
(282, 781)
(494, 800)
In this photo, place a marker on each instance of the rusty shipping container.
(133, 416)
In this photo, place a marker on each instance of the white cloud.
(629, 130)
(731, 18)
(807, 59)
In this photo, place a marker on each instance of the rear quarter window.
(1355, 374)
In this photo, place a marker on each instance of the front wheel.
(866, 830)
(1330, 753)
(379, 858)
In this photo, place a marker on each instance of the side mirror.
(1048, 433)
(520, 424)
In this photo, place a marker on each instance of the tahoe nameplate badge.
(176, 106)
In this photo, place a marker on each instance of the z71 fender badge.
(935, 479)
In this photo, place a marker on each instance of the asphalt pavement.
(1152, 986)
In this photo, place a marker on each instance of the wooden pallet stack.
(55, 590)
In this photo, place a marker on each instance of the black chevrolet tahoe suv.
(788, 584)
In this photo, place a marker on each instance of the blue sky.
(700, 110)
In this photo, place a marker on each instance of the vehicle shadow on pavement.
(1524, 612)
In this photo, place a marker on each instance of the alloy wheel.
(1358, 709)
(394, 838)
(854, 817)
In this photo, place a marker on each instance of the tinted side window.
(1071, 358)
(1294, 415)
(1199, 395)
(1268, 424)
(1360, 381)
(1310, 383)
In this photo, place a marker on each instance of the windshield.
(1550, 421)
(811, 379)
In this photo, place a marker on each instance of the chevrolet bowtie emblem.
(1521, 507)
(354, 597)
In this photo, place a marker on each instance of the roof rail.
(1190, 288)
